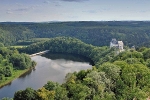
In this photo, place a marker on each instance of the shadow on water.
(68, 56)
(26, 73)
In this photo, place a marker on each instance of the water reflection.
(54, 68)
(26, 74)
(70, 57)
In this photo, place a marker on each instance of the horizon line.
(73, 21)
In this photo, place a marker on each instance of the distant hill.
(96, 33)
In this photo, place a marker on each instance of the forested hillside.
(96, 33)
(71, 45)
(123, 76)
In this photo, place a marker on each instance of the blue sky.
(73, 10)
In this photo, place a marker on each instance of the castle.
(117, 44)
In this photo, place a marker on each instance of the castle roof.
(114, 41)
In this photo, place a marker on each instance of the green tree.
(98, 83)
(27, 94)
(43, 94)
(148, 62)
(146, 54)
(51, 85)
(1, 45)
(70, 78)
(20, 61)
(78, 92)
(81, 74)
(7, 71)
(112, 73)
(61, 93)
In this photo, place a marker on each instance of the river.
(52, 67)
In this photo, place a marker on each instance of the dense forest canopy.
(96, 33)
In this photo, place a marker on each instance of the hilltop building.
(113, 43)
(117, 44)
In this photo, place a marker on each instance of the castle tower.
(120, 46)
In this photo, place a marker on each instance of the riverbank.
(16, 74)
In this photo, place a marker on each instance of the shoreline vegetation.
(16, 74)
(115, 76)
(13, 64)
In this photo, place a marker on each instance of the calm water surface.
(53, 67)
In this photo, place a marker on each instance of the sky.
(73, 10)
